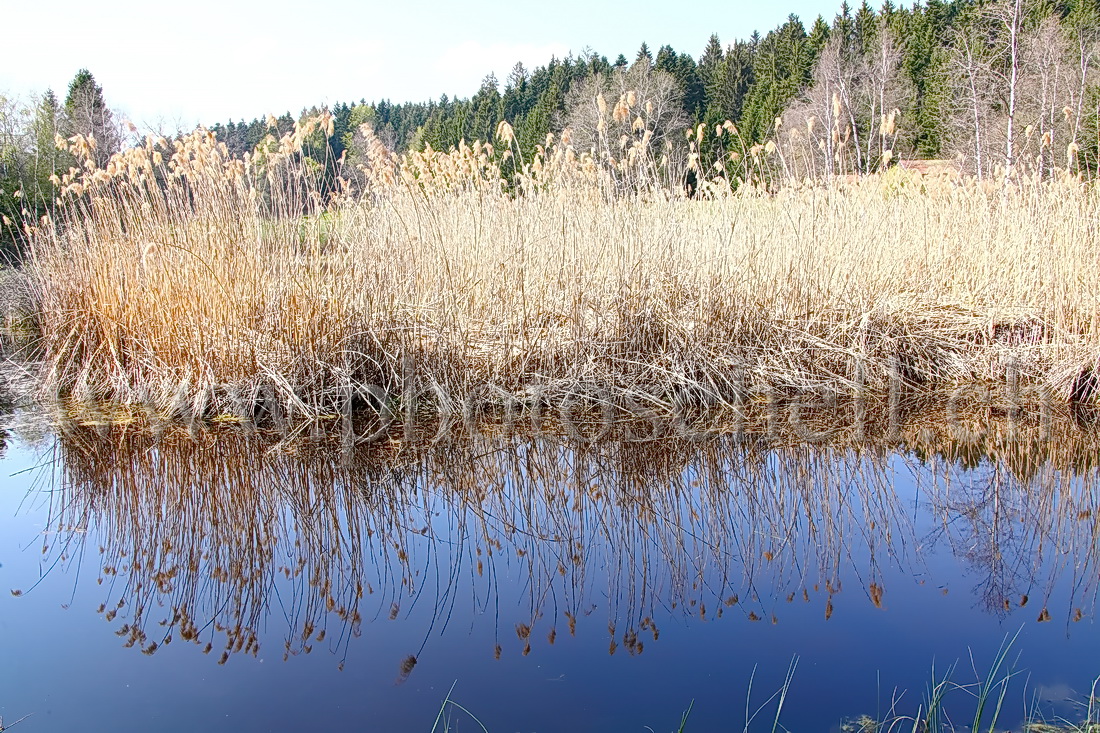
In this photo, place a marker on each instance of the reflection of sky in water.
(797, 519)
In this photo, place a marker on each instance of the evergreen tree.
(781, 69)
(531, 131)
(485, 111)
(596, 64)
(709, 72)
(844, 26)
(48, 160)
(865, 28)
(710, 60)
(683, 69)
(735, 79)
(516, 100)
(819, 36)
(341, 126)
(87, 114)
(666, 59)
(924, 61)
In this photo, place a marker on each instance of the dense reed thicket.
(184, 279)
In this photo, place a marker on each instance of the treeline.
(30, 158)
(1001, 87)
(994, 85)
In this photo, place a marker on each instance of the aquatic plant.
(181, 278)
(444, 719)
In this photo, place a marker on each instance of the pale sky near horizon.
(172, 66)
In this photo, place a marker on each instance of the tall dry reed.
(185, 280)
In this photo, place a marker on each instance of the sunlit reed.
(180, 278)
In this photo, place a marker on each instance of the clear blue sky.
(175, 64)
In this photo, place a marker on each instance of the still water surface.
(224, 579)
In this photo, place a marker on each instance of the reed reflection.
(206, 534)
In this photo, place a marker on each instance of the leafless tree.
(1057, 73)
(973, 82)
(847, 121)
(885, 94)
(611, 113)
(1016, 92)
(818, 127)
(1012, 18)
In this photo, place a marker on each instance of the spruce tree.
(485, 111)
(781, 69)
(819, 36)
(48, 160)
(924, 61)
(682, 68)
(516, 99)
(87, 114)
(709, 69)
(735, 79)
(866, 29)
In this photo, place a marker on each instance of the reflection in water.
(204, 534)
(1022, 513)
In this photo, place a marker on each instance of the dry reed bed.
(177, 277)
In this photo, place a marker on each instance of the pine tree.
(87, 114)
(866, 29)
(924, 61)
(341, 125)
(781, 69)
(531, 131)
(734, 82)
(844, 26)
(711, 58)
(596, 64)
(709, 70)
(485, 111)
(819, 36)
(886, 12)
(666, 59)
(517, 99)
(48, 160)
(682, 68)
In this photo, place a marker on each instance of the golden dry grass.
(183, 280)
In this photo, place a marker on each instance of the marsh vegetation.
(586, 389)
(193, 282)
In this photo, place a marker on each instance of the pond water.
(222, 578)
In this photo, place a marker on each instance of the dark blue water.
(546, 585)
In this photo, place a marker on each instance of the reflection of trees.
(18, 345)
(987, 533)
(204, 535)
(1019, 505)
(7, 406)
(5, 436)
